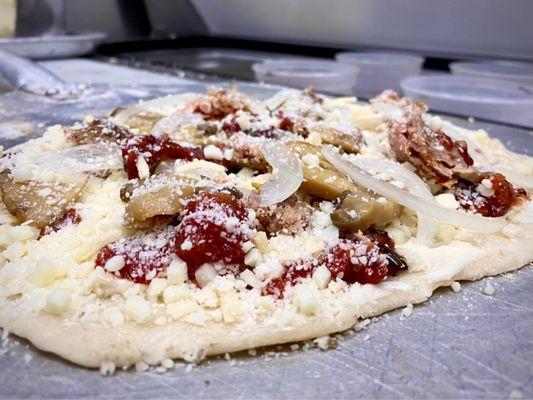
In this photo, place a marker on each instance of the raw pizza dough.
(52, 294)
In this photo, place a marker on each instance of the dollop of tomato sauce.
(213, 229)
(291, 125)
(362, 261)
(70, 217)
(154, 149)
(295, 272)
(503, 198)
(459, 145)
(368, 258)
(145, 254)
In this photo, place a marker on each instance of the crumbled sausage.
(289, 216)
(216, 105)
(246, 152)
(435, 155)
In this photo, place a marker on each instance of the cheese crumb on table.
(167, 363)
(107, 368)
(456, 286)
(141, 366)
(488, 289)
(322, 342)
(408, 310)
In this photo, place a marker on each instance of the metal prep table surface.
(456, 345)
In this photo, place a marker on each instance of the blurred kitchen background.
(469, 58)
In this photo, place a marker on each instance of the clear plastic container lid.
(502, 101)
(380, 71)
(380, 60)
(507, 70)
(324, 75)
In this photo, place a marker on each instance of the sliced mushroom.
(349, 142)
(323, 183)
(143, 121)
(302, 148)
(39, 203)
(96, 131)
(158, 196)
(359, 210)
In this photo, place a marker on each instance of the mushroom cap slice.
(360, 210)
(166, 200)
(349, 142)
(159, 195)
(39, 203)
(323, 183)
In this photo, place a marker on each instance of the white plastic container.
(502, 101)
(504, 70)
(323, 75)
(380, 71)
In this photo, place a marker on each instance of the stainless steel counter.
(457, 345)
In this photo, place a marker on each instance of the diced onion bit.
(456, 218)
(427, 226)
(286, 176)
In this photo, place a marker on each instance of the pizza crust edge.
(91, 344)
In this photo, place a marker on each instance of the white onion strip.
(427, 226)
(287, 175)
(473, 149)
(85, 158)
(173, 123)
(456, 218)
(166, 105)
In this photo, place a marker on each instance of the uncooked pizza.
(199, 224)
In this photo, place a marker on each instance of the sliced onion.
(172, 123)
(474, 150)
(286, 176)
(166, 105)
(86, 158)
(432, 210)
(427, 226)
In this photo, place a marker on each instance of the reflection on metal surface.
(72, 45)
(457, 345)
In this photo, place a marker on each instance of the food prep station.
(468, 344)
